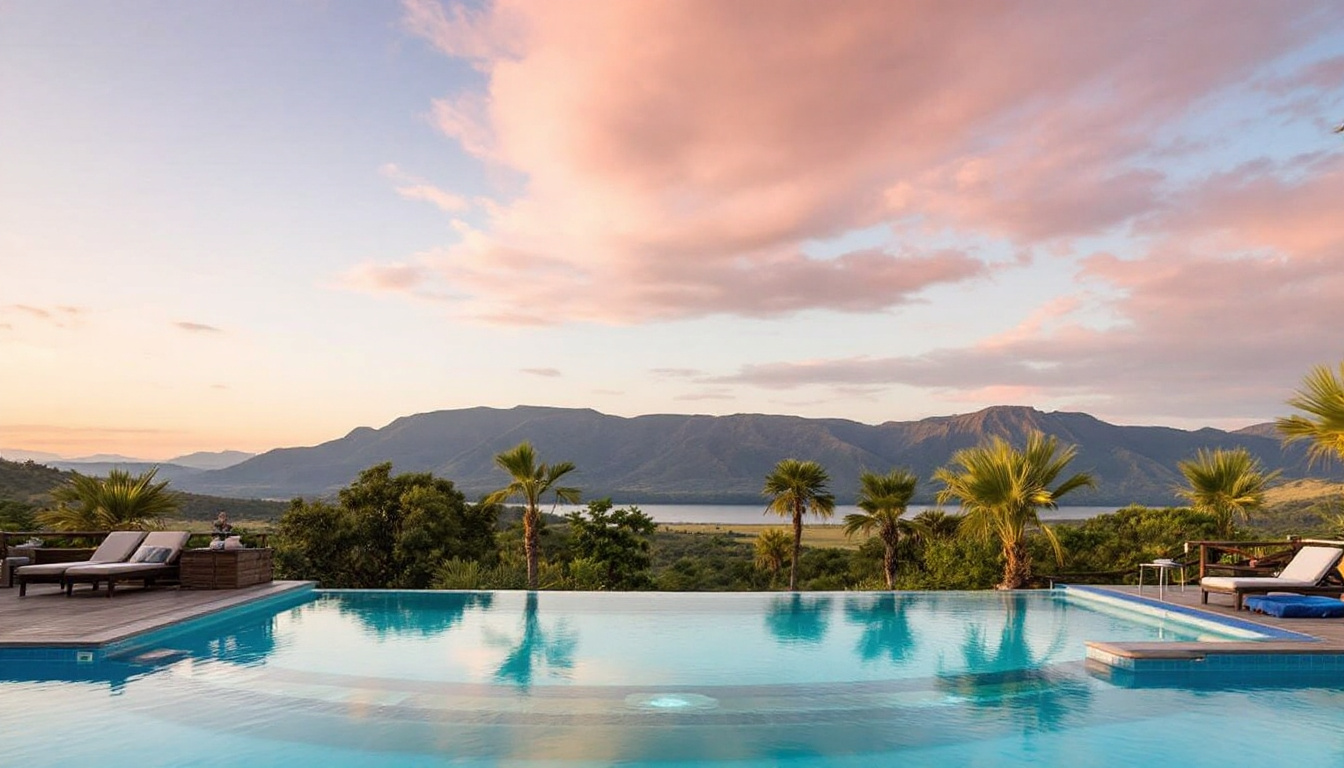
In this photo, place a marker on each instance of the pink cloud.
(677, 155)
(414, 188)
(385, 278)
(1240, 293)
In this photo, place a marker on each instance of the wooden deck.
(46, 617)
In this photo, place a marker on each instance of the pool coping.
(1281, 651)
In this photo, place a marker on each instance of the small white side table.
(1164, 569)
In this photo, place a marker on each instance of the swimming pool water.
(477, 679)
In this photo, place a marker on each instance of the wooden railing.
(1244, 558)
(96, 537)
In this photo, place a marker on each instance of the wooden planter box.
(226, 568)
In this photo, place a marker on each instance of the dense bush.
(385, 531)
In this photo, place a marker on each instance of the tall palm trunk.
(531, 544)
(890, 537)
(1016, 566)
(797, 546)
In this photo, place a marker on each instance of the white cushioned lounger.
(1305, 572)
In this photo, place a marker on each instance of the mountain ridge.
(670, 458)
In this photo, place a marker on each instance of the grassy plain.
(1307, 490)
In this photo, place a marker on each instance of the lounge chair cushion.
(1311, 564)
(1230, 583)
(1307, 568)
(117, 546)
(151, 555)
(44, 569)
(88, 572)
(173, 541)
(1297, 606)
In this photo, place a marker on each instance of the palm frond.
(1321, 397)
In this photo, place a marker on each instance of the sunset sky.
(248, 224)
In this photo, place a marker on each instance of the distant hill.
(19, 454)
(173, 473)
(723, 459)
(29, 483)
(210, 459)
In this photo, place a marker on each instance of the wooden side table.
(225, 568)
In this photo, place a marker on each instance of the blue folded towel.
(1297, 606)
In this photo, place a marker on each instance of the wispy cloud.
(196, 327)
(1240, 291)
(710, 395)
(414, 188)
(547, 372)
(61, 316)
(677, 373)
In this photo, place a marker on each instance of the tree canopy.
(530, 481)
(1225, 484)
(384, 532)
(1002, 489)
(119, 501)
(796, 488)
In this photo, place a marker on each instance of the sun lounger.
(1308, 572)
(117, 547)
(1297, 606)
(155, 560)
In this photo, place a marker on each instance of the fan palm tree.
(119, 501)
(796, 488)
(1002, 490)
(883, 499)
(1225, 483)
(531, 481)
(935, 524)
(772, 548)
(1322, 398)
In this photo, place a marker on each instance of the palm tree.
(1002, 489)
(1225, 483)
(794, 488)
(118, 502)
(772, 547)
(1322, 397)
(935, 524)
(883, 499)
(531, 481)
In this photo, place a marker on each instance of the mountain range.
(724, 459)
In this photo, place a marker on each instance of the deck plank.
(46, 617)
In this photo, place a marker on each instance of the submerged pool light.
(670, 702)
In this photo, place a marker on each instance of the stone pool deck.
(47, 618)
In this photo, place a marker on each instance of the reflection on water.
(886, 627)
(1022, 685)
(798, 618)
(536, 649)
(422, 614)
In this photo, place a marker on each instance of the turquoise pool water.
(578, 679)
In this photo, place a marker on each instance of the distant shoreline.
(755, 514)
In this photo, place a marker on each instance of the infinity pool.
(579, 679)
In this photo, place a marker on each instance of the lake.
(747, 514)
